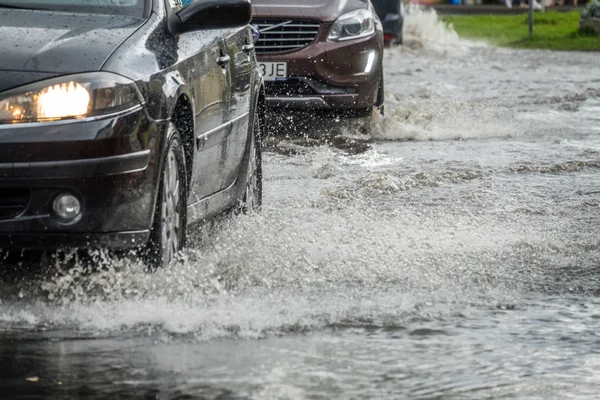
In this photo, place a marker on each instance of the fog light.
(370, 61)
(66, 207)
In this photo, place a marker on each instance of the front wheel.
(168, 232)
(381, 97)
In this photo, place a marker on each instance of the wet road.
(455, 256)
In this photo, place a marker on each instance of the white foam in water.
(247, 316)
(291, 269)
(424, 119)
(324, 164)
(423, 28)
(424, 100)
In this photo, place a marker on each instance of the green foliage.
(552, 30)
(592, 10)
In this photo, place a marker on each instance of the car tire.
(168, 233)
(380, 102)
(251, 199)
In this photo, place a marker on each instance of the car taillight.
(388, 37)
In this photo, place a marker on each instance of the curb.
(491, 9)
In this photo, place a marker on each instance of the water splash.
(423, 29)
(402, 231)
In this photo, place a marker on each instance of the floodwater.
(455, 254)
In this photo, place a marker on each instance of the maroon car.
(320, 54)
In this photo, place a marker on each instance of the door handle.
(223, 60)
(248, 47)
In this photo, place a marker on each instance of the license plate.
(273, 71)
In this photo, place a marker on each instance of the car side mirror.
(212, 14)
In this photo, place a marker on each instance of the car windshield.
(118, 7)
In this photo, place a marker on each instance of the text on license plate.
(273, 71)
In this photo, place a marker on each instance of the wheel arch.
(181, 100)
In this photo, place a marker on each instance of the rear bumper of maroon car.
(329, 75)
(110, 165)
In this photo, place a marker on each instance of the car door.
(211, 90)
(204, 61)
(240, 50)
(204, 66)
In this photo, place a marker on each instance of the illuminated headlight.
(353, 25)
(73, 96)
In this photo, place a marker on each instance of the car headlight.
(67, 97)
(353, 25)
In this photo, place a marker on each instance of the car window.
(118, 7)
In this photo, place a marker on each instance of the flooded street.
(455, 256)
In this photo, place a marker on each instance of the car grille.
(283, 36)
(12, 202)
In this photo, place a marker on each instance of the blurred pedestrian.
(536, 5)
(562, 3)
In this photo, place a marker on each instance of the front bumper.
(328, 75)
(109, 164)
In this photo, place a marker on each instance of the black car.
(391, 14)
(122, 122)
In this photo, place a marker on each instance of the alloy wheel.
(171, 209)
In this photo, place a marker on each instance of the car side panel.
(210, 88)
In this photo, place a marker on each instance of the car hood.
(322, 10)
(35, 44)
